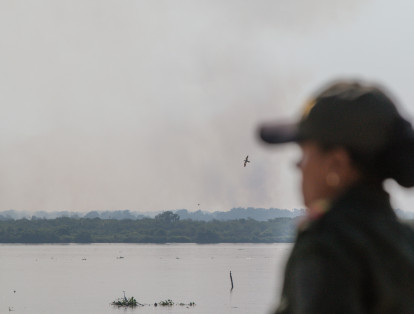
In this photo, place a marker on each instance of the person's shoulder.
(331, 233)
(318, 236)
(321, 242)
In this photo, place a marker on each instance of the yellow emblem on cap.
(308, 107)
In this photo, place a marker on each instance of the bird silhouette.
(246, 160)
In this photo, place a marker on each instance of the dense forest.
(164, 228)
(260, 214)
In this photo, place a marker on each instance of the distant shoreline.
(260, 214)
(164, 228)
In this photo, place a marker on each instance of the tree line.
(164, 228)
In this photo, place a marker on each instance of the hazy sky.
(153, 105)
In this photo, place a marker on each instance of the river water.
(72, 279)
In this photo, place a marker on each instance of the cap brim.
(279, 133)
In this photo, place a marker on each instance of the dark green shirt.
(356, 258)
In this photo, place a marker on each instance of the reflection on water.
(67, 279)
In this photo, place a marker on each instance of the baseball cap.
(361, 117)
(357, 116)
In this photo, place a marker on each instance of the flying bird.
(246, 160)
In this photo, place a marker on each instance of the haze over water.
(153, 105)
(68, 279)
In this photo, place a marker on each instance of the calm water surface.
(71, 279)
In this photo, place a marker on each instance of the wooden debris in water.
(231, 280)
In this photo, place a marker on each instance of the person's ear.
(341, 168)
(339, 160)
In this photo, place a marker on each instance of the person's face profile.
(326, 173)
(314, 166)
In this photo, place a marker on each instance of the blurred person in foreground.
(351, 254)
